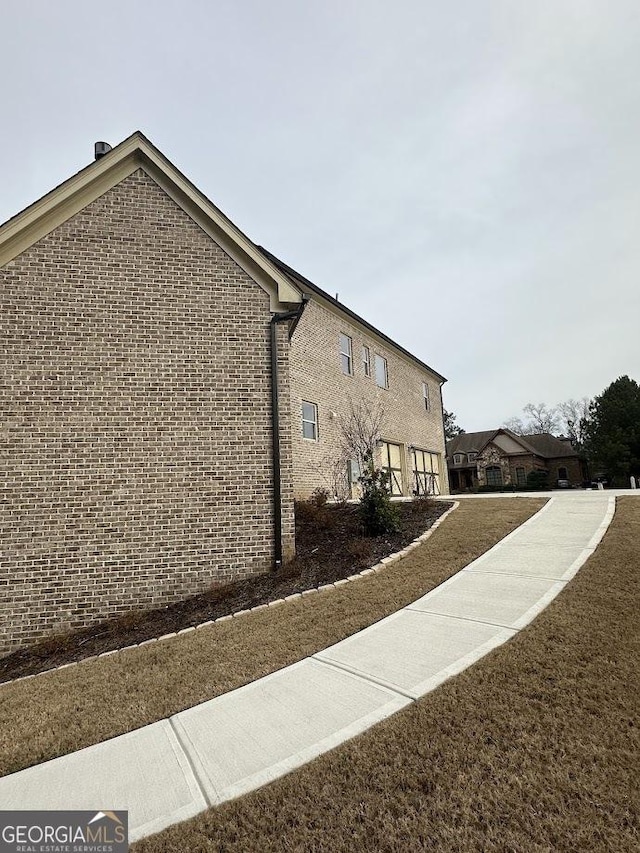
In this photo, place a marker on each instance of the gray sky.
(465, 174)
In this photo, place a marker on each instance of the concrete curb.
(296, 596)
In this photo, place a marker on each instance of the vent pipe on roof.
(100, 149)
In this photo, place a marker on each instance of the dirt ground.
(330, 546)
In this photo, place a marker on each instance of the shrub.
(319, 497)
(422, 505)
(377, 514)
(313, 516)
(538, 479)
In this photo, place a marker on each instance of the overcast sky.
(464, 174)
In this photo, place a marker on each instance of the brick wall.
(136, 419)
(317, 377)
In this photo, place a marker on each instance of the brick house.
(499, 457)
(338, 362)
(153, 363)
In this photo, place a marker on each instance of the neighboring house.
(499, 457)
(167, 385)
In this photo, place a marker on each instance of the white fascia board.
(42, 217)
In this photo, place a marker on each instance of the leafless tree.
(573, 417)
(542, 418)
(359, 433)
(334, 473)
(360, 430)
(568, 418)
(515, 425)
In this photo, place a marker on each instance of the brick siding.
(316, 376)
(136, 417)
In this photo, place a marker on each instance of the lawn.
(534, 748)
(329, 546)
(62, 711)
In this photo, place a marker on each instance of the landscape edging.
(296, 596)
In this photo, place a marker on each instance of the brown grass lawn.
(534, 748)
(62, 711)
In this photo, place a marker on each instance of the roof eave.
(318, 291)
(67, 199)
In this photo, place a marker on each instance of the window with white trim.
(366, 361)
(309, 420)
(382, 375)
(425, 395)
(458, 458)
(472, 456)
(346, 354)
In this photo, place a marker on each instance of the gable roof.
(467, 442)
(541, 444)
(136, 152)
(547, 445)
(304, 284)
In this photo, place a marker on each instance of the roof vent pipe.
(100, 149)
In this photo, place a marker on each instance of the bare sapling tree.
(360, 431)
(358, 434)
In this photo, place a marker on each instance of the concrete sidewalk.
(171, 770)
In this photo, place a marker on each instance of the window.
(563, 474)
(392, 464)
(346, 354)
(494, 475)
(382, 377)
(521, 477)
(309, 420)
(425, 394)
(366, 361)
(426, 472)
(472, 456)
(458, 458)
(353, 471)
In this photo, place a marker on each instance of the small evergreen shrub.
(377, 514)
(538, 480)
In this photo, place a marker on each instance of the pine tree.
(612, 433)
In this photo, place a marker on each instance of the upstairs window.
(458, 458)
(382, 376)
(309, 421)
(425, 395)
(472, 456)
(346, 354)
(366, 361)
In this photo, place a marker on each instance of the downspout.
(445, 466)
(275, 423)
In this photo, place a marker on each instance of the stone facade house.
(158, 370)
(499, 457)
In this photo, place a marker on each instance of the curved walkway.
(171, 770)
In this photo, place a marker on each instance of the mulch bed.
(330, 546)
